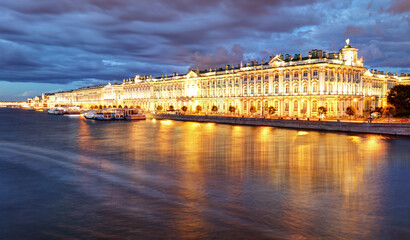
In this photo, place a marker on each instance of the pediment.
(191, 74)
(276, 61)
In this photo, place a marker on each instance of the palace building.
(295, 86)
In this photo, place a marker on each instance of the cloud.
(399, 6)
(100, 41)
(220, 58)
(354, 31)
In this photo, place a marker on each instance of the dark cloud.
(354, 31)
(94, 41)
(399, 6)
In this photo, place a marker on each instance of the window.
(259, 78)
(259, 105)
(252, 78)
(314, 87)
(245, 90)
(266, 77)
(277, 77)
(305, 88)
(287, 88)
(295, 106)
(245, 104)
(305, 74)
(245, 79)
(276, 105)
(276, 88)
(259, 89)
(296, 75)
(295, 88)
(286, 106)
(314, 106)
(315, 73)
(252, 90)
(286, 76)
(266, 89)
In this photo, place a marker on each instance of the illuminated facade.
(295, 86)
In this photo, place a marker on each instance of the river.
(63, 177)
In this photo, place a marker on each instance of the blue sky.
(49, 45)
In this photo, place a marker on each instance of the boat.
(134, 114)
(73, 110)
(119, 114)
(90, 114)
(55, 111)
(104, 116)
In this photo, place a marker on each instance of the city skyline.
(50, 46)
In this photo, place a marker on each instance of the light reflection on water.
(168, 179)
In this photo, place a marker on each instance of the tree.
(399, 97)
(171, 108)
(232, 109)
(389, 111)
(184, 108)
(252, 109)
(114, 106)
(351, 110)
(271, 110)
(198, 108)
(125, 106)
(100, 107)
(119, 106)
(159, 107)
(138, 106)
(131, 106)
(214, 108)
(322, 110)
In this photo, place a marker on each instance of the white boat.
(73, 110)
(119, 114)
(56, 111)
(90, 114)
(103, 116)
(134, 114)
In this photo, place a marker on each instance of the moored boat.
(134, 114)
(90, 114)
(73, 110)
(103, 116)
(55, 111)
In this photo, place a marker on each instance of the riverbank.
(401, 129)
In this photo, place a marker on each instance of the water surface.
(63, 177)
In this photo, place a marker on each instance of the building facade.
(295, 86)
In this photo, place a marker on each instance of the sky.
(49, 45)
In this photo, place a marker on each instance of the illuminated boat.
(104, 116)
(73, 110)
(134, 114)
(90, 114)
(56, 111)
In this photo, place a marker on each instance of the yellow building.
(295, 86)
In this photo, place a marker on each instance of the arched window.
(245, 105)
(296, 88)
(295, 105)
(314, 106)
(266, 89)
(286, 106)
(331, 87)
(287, 88)
(305, 88)
(245, 89)
(259, 89)
(314, 86)
(252, 89)
(276, 88)
(259, 105)
(276, 105)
